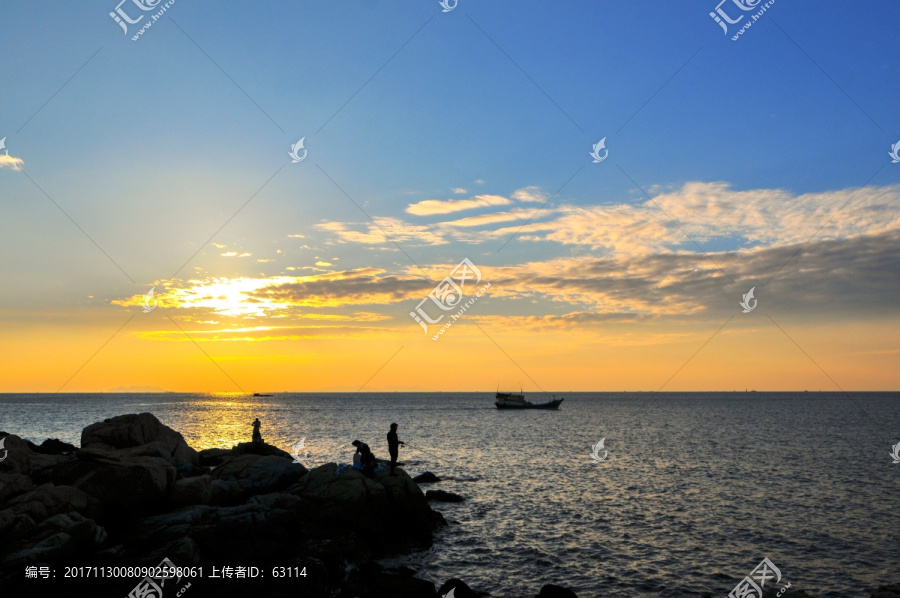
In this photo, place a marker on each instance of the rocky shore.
(72, 520)
(135, 494)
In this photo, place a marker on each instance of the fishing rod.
(415, 448)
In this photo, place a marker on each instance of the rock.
(12, 484)
(137, 430)
(213, 456)
(18, 455)
(553, 591)
(259, 448)
(426, 478)
(892, 591)
(443, 496)
(192, 491)
(393, 585)
(48, 500)
(247, 475)
(460, 589)
(55, 547)
(54, 446)
(120, 483)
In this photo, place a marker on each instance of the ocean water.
(696, 490)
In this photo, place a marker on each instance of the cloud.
(853, 278)
(384, 230)
(430, 207)
(459, 191)
(492, 218)
(7, 161)
(529, 194)
(234, 254)
(699, 213)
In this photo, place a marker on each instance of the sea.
(688, 494)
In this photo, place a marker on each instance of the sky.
(436, 133)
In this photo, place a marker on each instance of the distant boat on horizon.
(256, 394)
(510, 400)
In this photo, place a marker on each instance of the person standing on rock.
(394, 446)
(257, 437)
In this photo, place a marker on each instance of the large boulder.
(120, 483)
(247, 475)
(383, 512)
(53, 446)
(21, 459)
(138, 430)
(12, 484)
(554, 591)
(48, 500)
(192, 491)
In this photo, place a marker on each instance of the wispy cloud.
(12, 162)
(383, 230)
(431, 207)
(529, 194)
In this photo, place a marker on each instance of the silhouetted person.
(357, 456)
(394, 446)
(363, 458)
(257, 437)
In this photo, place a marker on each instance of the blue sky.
(154, 144)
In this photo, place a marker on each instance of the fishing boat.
(511, 400)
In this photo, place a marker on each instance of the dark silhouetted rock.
(259, 448)
(54, 446)
(191, 491)
(213, 456)
(394, 585)
(136, 492)
(137, 431)
(12, 484)
(553, 591)
(443, 496)
(426, 478)
(892, 591)
(244, 476)
(119, 482)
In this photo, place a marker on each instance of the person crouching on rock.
(363, 458)
(257, 437)
(394, 446)
(357, 456)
